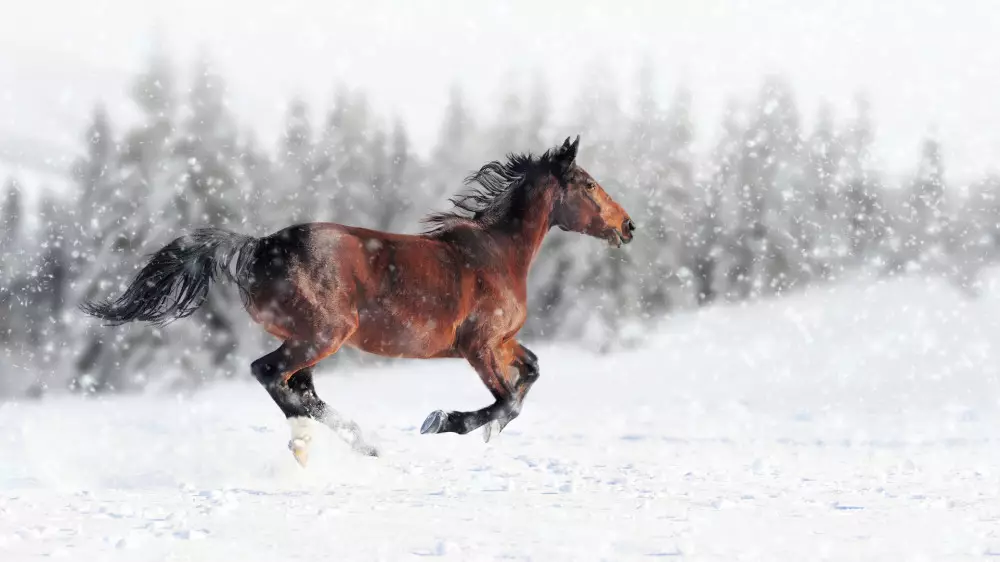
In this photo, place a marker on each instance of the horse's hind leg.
(286, 374)
(301, 385)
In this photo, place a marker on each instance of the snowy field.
(848, 423)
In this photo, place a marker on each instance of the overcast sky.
(924, 63)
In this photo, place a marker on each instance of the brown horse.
(458, 290)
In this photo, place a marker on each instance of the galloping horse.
(457, 290)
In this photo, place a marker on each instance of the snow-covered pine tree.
(602, 295)
(732, 262)
(822, 235)
(456, 153)
(537, 117)
(678, 204)
(403, 185)
(927, 213)
(208, 194)
(296, 196)
(10, 218)
(506, 134)
(258, 183)
(13, 288)
(136, 211)
(867, 217)
(772, 195)
(361, 143)
(50, 288)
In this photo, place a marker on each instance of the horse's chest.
(503, 311)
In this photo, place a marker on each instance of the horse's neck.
(525, 239)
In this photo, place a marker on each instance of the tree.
(536, 115)
(297, 195)
(10, 217)
(507, 133)
(822, 236)
(771, 178)
(927, 215)
(455, 153)
(402, 182)
(209, 195)
(147, 177)
(100, 207)
(12, 277)
(600, 281)
(51, 285)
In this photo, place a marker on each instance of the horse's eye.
(591, 185)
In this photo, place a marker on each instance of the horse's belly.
(385, 332)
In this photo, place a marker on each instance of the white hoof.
(300, 450)
(301, 436)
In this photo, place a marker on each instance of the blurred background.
(763, 147)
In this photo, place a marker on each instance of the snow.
(855, 422)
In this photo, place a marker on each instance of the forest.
(771, 208)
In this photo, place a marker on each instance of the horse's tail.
(175, 282)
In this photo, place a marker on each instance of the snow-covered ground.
(849, 423)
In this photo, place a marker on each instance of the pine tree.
(209, 195)
(12, 278)
(822, 236)
(507, 133)
(98, 212)
(455, 152)
(260, 185)
(297, 196)
(601, 281)
(926, 213)
(732, 260)
(361, 143)
(139, 213)
(536, 117)
(867, 222)
(10, 218)
(51, 285)
(771, 172)
(403, 183)
(97, 182)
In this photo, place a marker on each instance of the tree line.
(770, 209)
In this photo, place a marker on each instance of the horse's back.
(407, 292)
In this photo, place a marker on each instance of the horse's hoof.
(434, 422)
(492, 428)
(300, 450)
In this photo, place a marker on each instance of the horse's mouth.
(615, 238)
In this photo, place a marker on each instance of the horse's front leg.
(526, 363)
(492, 364)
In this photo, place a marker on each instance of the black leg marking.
(486, 362)
(297, 398)
(527, 374)
(440, 421)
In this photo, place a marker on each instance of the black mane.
(501, 190)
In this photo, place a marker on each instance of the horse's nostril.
(629, 225)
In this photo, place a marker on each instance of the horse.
(458, 289)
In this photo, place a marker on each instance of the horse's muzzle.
(628, 231)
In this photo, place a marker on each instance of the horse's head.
(582, 205)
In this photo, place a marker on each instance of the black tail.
(175, 282)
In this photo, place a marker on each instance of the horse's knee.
(530, 355)
(529, 371)
(264, 371)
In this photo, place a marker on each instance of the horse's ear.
(566, 156)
